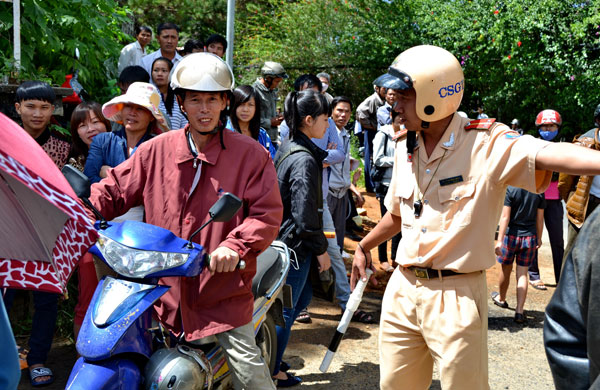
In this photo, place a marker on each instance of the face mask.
(325, 86)
(548, 135)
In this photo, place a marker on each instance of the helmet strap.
(411, 142)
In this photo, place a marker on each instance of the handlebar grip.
(240, 265)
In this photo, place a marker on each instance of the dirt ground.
(516, 354)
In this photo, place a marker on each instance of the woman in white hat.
(137, 110)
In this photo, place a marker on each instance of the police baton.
(351, 307)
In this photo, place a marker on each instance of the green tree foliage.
(197, 19)
(50, 32)
(519, 56)
(354, 41)
(522, 56)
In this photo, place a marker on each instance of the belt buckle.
(421, 273)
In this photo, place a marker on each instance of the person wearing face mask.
(326, 81)
(548, 123)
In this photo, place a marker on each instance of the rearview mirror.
(78, 181)
(225, 208)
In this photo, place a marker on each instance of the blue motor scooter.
(118, 339)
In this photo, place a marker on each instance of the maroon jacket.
(160, 175)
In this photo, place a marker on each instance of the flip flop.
(387, 267)
(363, 317)
(497, 301)
(290, 381)
(304, 317)
(35, 373)
(538, 285)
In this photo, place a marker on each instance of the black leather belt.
(429, 273)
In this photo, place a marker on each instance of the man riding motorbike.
(177, 177)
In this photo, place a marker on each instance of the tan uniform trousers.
(442, 320)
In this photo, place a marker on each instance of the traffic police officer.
(446, 194)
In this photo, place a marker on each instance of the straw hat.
(142, 94)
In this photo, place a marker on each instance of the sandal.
(538, 284)
(284, 366)
(39, 372)
(290, 381)
(362, 317)
(387, 267)
(497, 301)
(23, 357)
(304, 317)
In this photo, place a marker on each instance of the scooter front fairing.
(113, 374)
(118, 318)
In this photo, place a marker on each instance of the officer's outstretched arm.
(568, 158)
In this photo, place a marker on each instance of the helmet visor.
(398, 80)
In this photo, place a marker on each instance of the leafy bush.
(50, 32)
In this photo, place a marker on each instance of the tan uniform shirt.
(462, 205)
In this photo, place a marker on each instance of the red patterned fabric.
(23, 159)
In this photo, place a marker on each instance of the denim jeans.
(302, 293)
(42, 325)
(342, 285)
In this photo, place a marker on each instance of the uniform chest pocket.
(457, 203)
(405, 193)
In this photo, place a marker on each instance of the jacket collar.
(319, 154)
(210, 153)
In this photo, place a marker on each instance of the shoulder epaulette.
(480, 124)
(399, 135)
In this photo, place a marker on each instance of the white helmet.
(436, 76)
(203, 72)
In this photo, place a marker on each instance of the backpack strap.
(292, 150)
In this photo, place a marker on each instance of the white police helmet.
(436, 76)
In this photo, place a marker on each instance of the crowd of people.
(180, 134)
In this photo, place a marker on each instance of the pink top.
(552, 191)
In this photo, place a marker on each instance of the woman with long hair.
(299, 165)
(87, 122)
(245, 117)
(161, 68)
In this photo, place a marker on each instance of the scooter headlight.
(136, 263)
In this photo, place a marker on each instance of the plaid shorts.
(523, 248)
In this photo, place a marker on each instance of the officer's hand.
(324, 262)
(223, 259)
(359, 265)
(498, 248)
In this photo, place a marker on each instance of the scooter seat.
(268, 271)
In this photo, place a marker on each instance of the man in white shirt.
(132, 54)
(168, 38)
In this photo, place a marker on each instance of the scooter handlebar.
(240, 265)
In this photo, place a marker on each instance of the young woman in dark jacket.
(299, 165)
